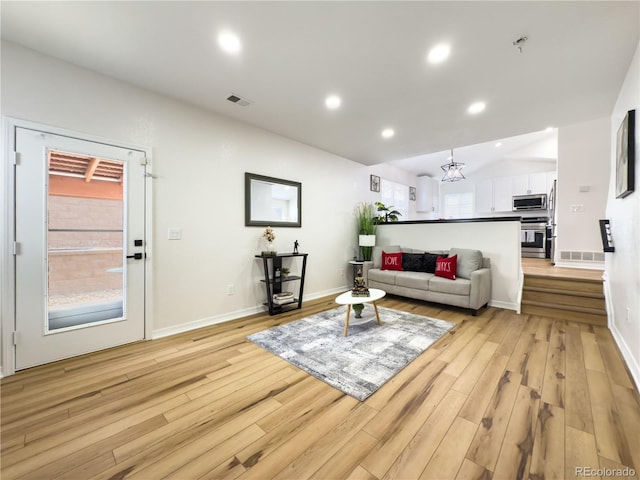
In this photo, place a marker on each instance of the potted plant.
(366, 225)
(386, 214)
(357, 308)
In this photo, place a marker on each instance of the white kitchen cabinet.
(529, 184)
(519, 184)
(427, 191)
(502, 194)
(493, 195)
(484, 196)
(538, 183)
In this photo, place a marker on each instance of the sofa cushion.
(419, 280)
(413, 262)
(411, 250)
(446, 267)
(430, 261)
(377, 254)
(391, 261)
(460, 286)
(382, 276)
(468, 261)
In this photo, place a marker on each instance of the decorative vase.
(357, 308)
(271, 248)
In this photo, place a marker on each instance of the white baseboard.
(504, 305)
(632, 363)
(1, 375)
(227, 317)
(583, 265)
(520, 289)
(204, 322)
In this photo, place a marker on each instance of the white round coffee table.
(347, 299)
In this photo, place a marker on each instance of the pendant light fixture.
(452, 171)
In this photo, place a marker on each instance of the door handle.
(135, 256)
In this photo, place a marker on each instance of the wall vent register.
(238, 100)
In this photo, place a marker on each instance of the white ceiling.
(535, 147)
(372, 54)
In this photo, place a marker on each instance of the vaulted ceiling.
(371, 54)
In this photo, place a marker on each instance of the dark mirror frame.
(248, 221)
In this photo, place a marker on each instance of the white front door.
(80, 246)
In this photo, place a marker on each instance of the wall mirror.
(272, 202)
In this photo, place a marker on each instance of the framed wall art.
(412, 193)
(374, 183)
(625, 156)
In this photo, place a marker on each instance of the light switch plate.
(175, 234)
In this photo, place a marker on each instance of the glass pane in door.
(85, 239)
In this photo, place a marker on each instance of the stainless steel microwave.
(530, 202)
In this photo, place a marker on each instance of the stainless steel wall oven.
(533, 237)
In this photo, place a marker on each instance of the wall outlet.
(231, 289)
(576, 208)
(174, 234)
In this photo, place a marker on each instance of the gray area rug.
(362, 362)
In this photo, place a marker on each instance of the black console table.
(274, 281)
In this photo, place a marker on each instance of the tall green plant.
(366, 224)
(366, 220)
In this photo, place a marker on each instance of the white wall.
(199, 159)
(509, 167)
(621, 267)
(499, 241)
(395, 174)
(583, 160)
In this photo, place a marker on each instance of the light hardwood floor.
(503, 396)
(543, 266)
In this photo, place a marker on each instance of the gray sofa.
(471, 289)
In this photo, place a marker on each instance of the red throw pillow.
(446, 267)
(391, 261)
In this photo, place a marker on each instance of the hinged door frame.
(7, 231)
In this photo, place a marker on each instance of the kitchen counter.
(512, 218)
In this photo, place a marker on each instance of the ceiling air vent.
(238, 100)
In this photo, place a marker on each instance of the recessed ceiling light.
(439, 53)
(229, 42)
(476, 107)
(388, 133)
(499, 144)
(332, 102)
